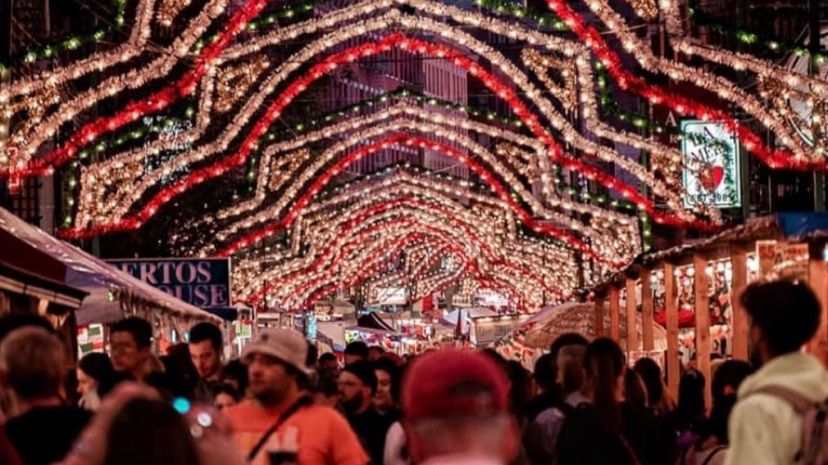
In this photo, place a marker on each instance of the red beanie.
(453, 383)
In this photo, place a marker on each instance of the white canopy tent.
(112, 293)
(546, 325)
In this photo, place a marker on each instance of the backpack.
(814, 448)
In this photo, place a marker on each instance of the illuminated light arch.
(359, 242)
(158, 101)
(617, 221)
(323, 179)
(321, 221)
(371, 48)
(354, 218)
(681, 104)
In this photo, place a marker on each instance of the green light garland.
(74, 42)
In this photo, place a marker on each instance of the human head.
(234, 373)
(276, 364)
(562, 341)
(375, 352)
(94, 369)
(783, 315)
(545, 373)
(691, 396)
(150, 431)
(326, 389)
(456, 402)
(357, 385)
(205, 346)
(130, 341)
(604, 363)
(520, 387)
(387, 373)
(570, 367)
(327, 361)
(726, 382)
(224, 395)
(355, 351)
(650, 374)
(635, 392)
(32, 363)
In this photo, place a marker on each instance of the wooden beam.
(818, 277)
(615, 320)
(738, 263)
(599, 316)
(702, 297)
(632, 317)
(673, 367)
(647, 321)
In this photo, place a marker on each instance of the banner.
(202, 282)
(711, 174)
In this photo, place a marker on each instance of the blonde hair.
(33, 360)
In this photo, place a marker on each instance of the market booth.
(109, 294)
(690, 290)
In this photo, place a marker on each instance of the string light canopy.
(198, 94)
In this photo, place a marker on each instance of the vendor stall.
(691, 289)
(112, 294)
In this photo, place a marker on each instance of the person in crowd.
(355, 352)
(568, 347)
(635, 393)
(386, 399)
(7, 453)
(205, 346)
(456, 410)
(357, 388)
(328, 362)
(712, 443)
(534, 450)
(690, 412)
(130, 342)
(548, 394)
(570, 378)
(224, 395)
(9, 323)
(278, 417)
(134, 426)
(765, 426)
(658, 398)
(178, 376)
(607, 429)
(375, 353)
(326, 389)
(43, 428)
(235, 374)
(94, 370)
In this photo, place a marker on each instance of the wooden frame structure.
(734, 245)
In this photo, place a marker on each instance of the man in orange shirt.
(281, 422)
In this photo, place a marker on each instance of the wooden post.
(818, 277)
(673, 367)
(647, 322)
(599, 316)
(738, 263)
(615, 321)
(632, 318)
(702, 294)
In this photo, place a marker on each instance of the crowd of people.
(282, 403)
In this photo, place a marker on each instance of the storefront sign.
(200, 282)
(711, 165)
